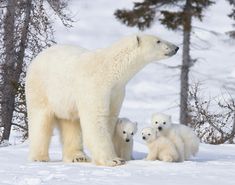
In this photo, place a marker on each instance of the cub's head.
(148, 134)
(161, 122)
(126, 129)
(154, 48)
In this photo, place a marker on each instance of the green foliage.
(143, 14)
(171, 20)
(232, 14)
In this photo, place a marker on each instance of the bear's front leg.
(98, 132)
(151, 156)
(71, 137)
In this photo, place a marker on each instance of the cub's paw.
(77, 157)
(167, 159)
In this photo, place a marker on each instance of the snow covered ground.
(213, 165)
(155, 88)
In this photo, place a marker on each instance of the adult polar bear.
(83, 91)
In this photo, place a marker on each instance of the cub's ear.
(138, 40)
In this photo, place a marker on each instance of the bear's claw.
(36, 160)
(111, 163)
(39, 158)
(78, 157)
(81, 159)
(117, 162)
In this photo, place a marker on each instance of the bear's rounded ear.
(138, 40)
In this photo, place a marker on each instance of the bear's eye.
(149, 134)
(164, 122)
(124, 132)
(158, 41)
(156, 122)
(132, 133)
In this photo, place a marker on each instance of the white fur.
(123, 138)
(160, 147)
(84, 90)
(187, 135)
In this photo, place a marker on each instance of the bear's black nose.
(144, 137)
(176, 49)
(159, 128)
(127, 140)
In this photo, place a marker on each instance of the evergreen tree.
(179, 18)
(232, 16)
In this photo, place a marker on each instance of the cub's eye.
(156, 122)
(149, 134)
(124, 132)
(164, 122)
(132, 133)
(158, 41)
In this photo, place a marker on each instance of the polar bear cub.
(160, 147)
(162, 122)
(123, 138)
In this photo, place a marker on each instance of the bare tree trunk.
(8, 71)
(23, 40)
(184, 78)
(13, 65)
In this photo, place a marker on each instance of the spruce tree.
(175, 15)
(232, 16)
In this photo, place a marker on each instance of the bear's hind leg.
(40, 131)
(71, 137)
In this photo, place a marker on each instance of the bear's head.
(162, 122)
(148, 134)
(126, 129)
(147, 47)
(154, 48)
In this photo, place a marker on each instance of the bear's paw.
(114, 162)
(77, 157)
(41, 158)
(167, 158)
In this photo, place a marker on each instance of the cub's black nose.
(176, 49)
(127, 140)
(144, 138)
(159, 128)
